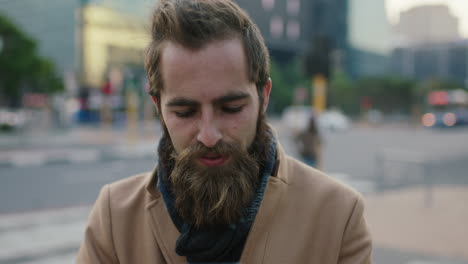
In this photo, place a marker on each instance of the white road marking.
(36, 234)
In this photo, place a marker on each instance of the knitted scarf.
(220, 244)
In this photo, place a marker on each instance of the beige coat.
(305, 217)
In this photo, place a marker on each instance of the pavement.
(431, 222)
(49, 236)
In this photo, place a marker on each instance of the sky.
(459, 8)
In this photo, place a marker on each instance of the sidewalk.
(403, 220)
(77, 145)
(50, 236)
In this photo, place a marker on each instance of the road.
(404, 148)
(43, 209)
(61, 185)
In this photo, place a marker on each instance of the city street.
(43, 207)
(61, 185)
(375, 93)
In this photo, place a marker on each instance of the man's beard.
(207, 196)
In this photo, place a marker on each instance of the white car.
(12, 119)
(296, 118)
(333, 120)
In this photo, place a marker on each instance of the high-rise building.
(447, 61)
(283, 24)
(290, 26)
(429, 45)
(427, 24)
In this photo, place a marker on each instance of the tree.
(389, 94)
(342, 93)
(21, 68)
(286, 78)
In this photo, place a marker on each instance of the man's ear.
(156, 103)
(155, 100)
(266, 94)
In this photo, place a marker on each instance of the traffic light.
(317, 66)
(317, 60)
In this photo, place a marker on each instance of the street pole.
(106, 112)
(132, 117)
(319, 84)
(79, 42)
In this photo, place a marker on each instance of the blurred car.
(445, 118)
(12, 119)
(333, 120)
(446, 109)
(296, 118)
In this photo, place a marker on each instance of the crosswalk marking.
(34, 235)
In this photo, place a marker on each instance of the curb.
(78, 156)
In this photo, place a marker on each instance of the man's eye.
(184, 114)
(232, 109)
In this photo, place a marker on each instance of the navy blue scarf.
(219, 244)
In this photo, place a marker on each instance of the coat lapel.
(164, 231)
(162, 227)
(255, 247)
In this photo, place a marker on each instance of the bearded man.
(223, 191)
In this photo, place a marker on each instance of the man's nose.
(209, 133)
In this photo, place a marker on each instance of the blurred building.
(111, 41)
(427, 24)
(86, 39)
(358, 31)
(369, 37)
(290, 26)
(282, 23)
(428, 45)
(447, 61)
(141, 8)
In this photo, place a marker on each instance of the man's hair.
(195, 23)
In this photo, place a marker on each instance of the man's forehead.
(217, 70)
(226, 53)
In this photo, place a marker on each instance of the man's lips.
(213, 161)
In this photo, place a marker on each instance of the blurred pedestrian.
(309, 144)
(224, 191)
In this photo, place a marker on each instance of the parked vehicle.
(446, 109)
(296, 118)
(12, 119)
(334, 120)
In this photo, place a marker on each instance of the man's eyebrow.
(230, 97)
(180, 101)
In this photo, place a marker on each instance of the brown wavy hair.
(193, 24)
